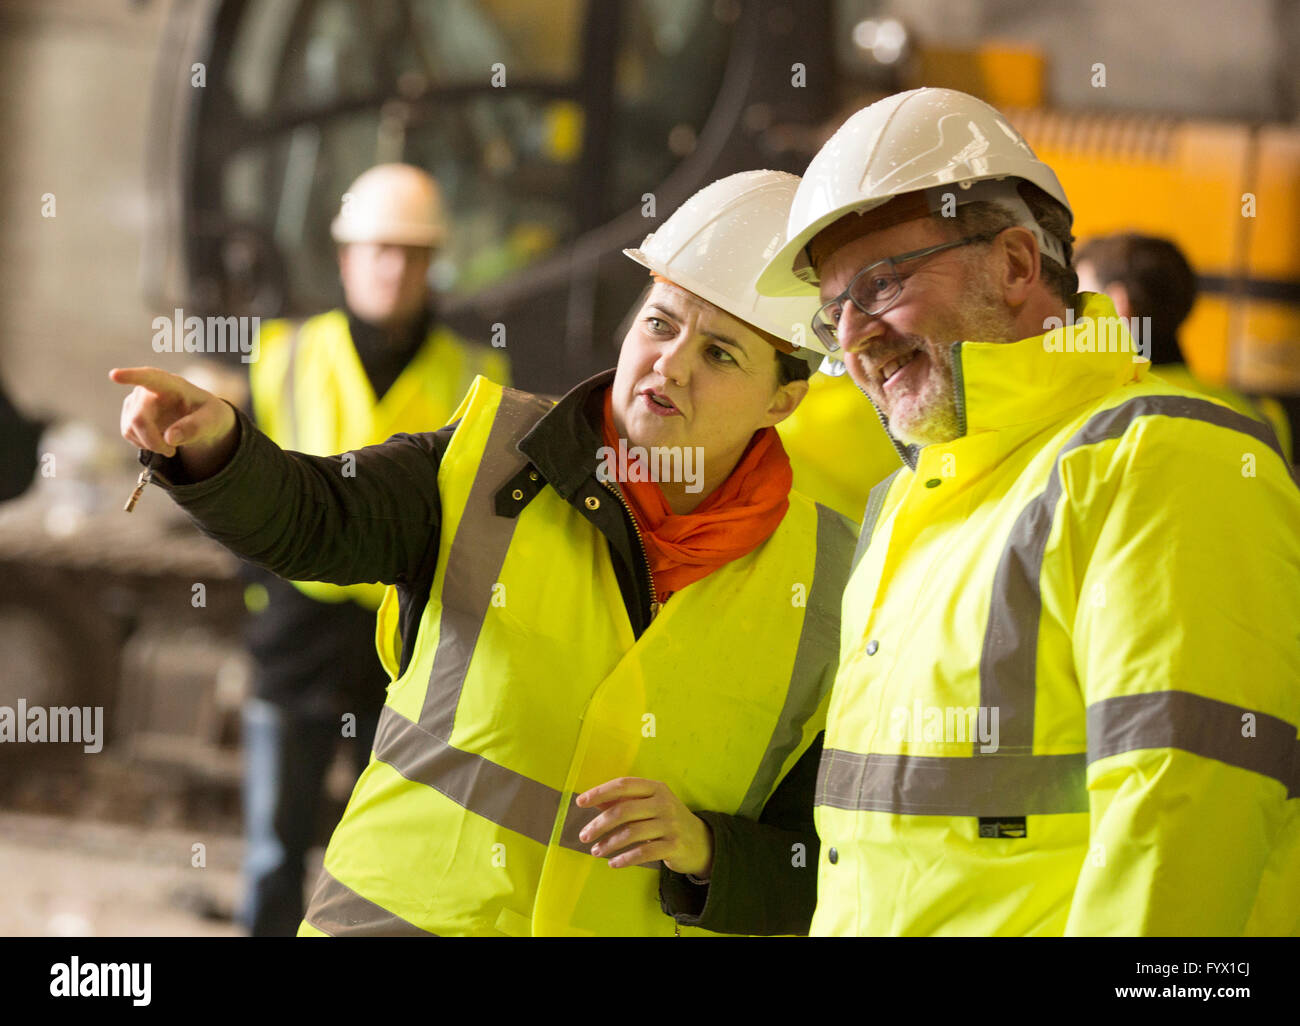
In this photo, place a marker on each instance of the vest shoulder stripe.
(815, 655)
(1009, 657)
(1196, 724)
(340, 911)
(477, 553)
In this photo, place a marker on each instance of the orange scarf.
(739, 516)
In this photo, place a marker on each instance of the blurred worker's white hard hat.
(391, 203)
(716, 243)
(939, 142)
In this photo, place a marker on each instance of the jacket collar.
(563, 444)
(1040, 378)
(1002, 384)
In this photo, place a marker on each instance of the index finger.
(150, 377)
(616, 790)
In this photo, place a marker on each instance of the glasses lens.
(875, 288)
(824, 327)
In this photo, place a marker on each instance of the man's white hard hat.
(937, 141)
(391, 203)
(716, 243)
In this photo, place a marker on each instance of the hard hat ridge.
(940, 143)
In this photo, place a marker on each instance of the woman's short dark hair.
(791, 368)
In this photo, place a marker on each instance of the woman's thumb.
(187, 429)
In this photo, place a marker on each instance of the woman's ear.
(785, 401)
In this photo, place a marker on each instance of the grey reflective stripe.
(340, 911)
(472, 781)
(816, 655)
(1010, 654)
(290, 391)
(474, 563)
(575, 818)
(1193, 723)
(875, 503)
(923, 785)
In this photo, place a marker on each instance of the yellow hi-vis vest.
(838, 449)
(311, 394)
(1069, 686)
(526, 687)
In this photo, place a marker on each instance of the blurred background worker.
(335, 382)
(18, 437)
(1147, 276)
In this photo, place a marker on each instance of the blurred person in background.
(1145, 276)
(19, 436)
(338, 381)
(608, 688)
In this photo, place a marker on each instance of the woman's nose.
(673, 362)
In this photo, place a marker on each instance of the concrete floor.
(84, 878)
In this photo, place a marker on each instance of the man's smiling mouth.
(897, 364)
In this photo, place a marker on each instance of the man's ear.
(1022, 268)
(786, 401)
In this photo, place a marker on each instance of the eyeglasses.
(874, 289)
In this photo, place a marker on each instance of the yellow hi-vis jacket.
(526, 686)
(837, 446)
(1069, 686)
(310, 393)
(1264, 409)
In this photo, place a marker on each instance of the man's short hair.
(1157, 277)
(979, 218)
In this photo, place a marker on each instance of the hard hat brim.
(414, 235)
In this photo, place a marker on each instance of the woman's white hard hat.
(716, 243)
(938, 141)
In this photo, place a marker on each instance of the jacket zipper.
(959, 390)
(903, 453)
(654, 603)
